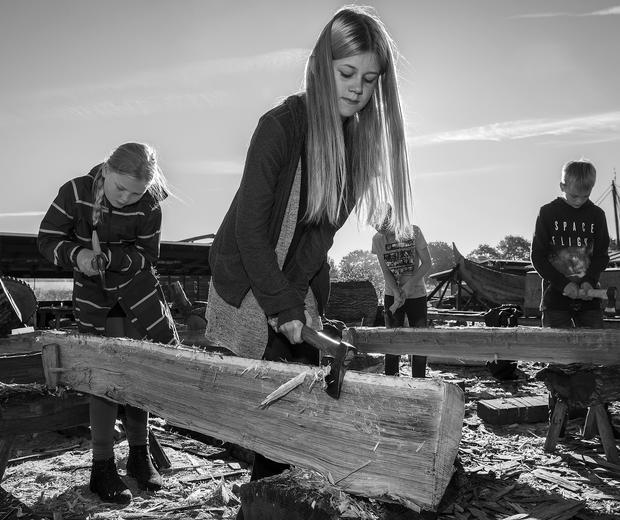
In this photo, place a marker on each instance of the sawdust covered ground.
(503, 471)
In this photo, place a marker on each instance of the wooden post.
(6, 444)
(589, 427)
(558, 418)
(51, 365)
(605, 433)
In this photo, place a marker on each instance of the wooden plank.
(514, 410)
(557, 346)
(37, 413)
(531, 320)
(20, 343)
(21, 368)
(386, 437)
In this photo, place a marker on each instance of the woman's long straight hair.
(367, 158)
(137, 160)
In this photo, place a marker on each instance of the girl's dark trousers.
(416, 311)
(103, 413)
(279, 349)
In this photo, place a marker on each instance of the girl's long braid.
(98, 197)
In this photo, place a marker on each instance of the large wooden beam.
(386, 437)
(598, 346)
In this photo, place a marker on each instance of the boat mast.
(616, 201)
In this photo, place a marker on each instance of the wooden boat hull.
(491, 286)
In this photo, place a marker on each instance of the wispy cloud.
(208, 167)
(194, 75)
(602, 12)
(23, 214)
(139, 106)
(195, 85)
(604, 123)
(489, 168)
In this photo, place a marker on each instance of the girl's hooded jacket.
(129, 237)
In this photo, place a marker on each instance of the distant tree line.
(363, 265)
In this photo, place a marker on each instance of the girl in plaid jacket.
(106, 226)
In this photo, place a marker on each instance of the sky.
(497, 96)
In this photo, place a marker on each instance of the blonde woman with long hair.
(338, 145)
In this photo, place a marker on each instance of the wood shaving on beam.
(284, 389)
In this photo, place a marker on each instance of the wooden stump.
(288, 496)
(583, 386)
(298, 494)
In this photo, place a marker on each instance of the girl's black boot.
(105, 481)
(140, 467)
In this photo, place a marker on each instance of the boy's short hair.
(581, 173)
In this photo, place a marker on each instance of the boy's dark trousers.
(568, 319)
(103, 413)
(416, 311)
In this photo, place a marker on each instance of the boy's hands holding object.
(584, 289)
(571, 290)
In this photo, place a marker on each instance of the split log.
(591, 346)
(353, 301)
(386, 437)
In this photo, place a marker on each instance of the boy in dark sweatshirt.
(570, 251)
